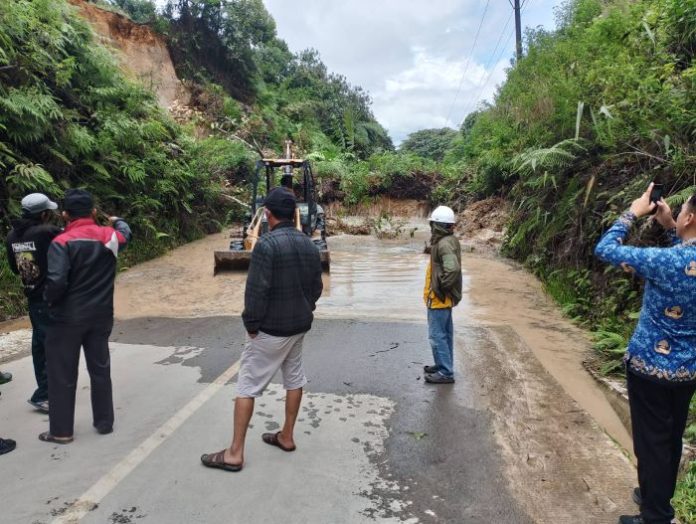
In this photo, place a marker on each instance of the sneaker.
(631, 519)
(430, 369)
(6, 445)
(5, 377)
(438, 378)
(636, 496)
(39, 405)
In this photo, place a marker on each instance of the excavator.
(296, 175)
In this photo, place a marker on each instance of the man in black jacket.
(80, 294)
(27, 250)
(283, 286)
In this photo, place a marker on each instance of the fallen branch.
(233, 199)
(253, 146)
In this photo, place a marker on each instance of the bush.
(68, 118)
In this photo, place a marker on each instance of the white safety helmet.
(443, 215)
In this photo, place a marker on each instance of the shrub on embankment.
(69, 118)
(593, 112)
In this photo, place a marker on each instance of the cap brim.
(52, 205)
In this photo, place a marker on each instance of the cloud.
(434, 92)
(411, 55)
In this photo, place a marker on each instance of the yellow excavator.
(296, 175)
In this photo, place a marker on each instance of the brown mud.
(481, 225)
(366, 270)
(16, 324)
(503, 293)
(142, 53)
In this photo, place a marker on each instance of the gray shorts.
(263, 356)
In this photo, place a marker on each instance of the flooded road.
(516, 439)
(384, 278)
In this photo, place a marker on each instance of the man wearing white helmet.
(443, 291)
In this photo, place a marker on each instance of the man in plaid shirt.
(283, 286)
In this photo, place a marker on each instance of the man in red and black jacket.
(80, 294)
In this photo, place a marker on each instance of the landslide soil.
(142, 53)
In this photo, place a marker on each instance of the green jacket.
(446, 265)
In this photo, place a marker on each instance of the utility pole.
(518, 29)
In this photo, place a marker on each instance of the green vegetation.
(430, 143)
(68, 117)
(685, 498)
(613, 107)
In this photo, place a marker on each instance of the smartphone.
(656, 194)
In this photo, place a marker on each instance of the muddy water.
(180, 284)
(375, 278)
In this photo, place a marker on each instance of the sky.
(425, 63)
(420, 60)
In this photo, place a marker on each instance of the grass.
(685, 497)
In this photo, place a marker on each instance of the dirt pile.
(483, 224)
(142, 53)
(417, 185)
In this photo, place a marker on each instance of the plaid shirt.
(284, 283)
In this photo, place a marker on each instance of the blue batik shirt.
(663, 345)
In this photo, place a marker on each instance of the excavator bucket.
(239, 261)
(231, 261)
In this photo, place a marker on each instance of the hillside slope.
(70, 118)
(142, 53)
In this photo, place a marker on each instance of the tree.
(140, 11)
(430, 143)
(219, 37)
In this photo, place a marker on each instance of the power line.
(466, 66)
(492, 60)
(490, 74)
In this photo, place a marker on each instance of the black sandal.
(272, 440)
(217, 461)
(47, 437)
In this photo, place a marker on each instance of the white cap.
(443, 214)
(36, 203)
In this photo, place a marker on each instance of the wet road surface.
(504, 444)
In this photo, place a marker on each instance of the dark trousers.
(38, 314)
(64, 341)
(658, 417)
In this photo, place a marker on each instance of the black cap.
(280, 202)
(78, 202)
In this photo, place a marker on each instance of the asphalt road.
(505, 444)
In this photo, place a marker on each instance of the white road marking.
(109, 481)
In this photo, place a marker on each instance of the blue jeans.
(441, 335)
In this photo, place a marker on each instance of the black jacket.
(81, 270)
(27, 250)
(284, 283)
